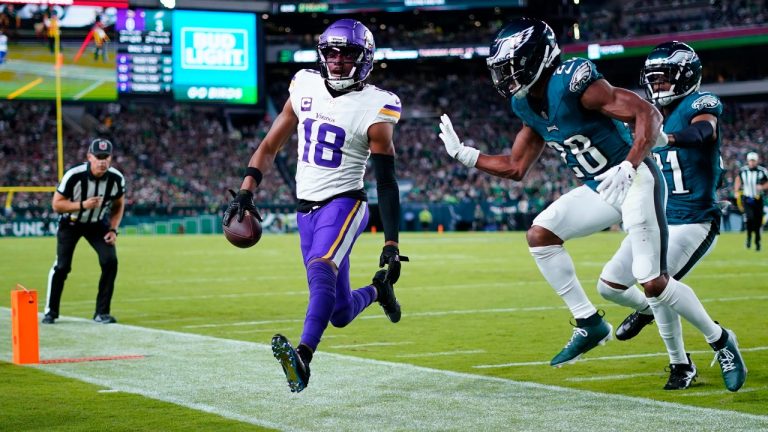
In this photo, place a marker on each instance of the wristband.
(81, 206)
(255, 173)
(114, 230)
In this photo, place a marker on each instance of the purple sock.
(355, 303)
(322, 298)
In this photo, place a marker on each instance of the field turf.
(475, 310)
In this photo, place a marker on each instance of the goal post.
(10, 190)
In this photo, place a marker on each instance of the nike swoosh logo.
(551, 128)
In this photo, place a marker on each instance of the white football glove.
(662, 139)
(615, 183)
(455, 148)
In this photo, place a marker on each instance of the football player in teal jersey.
(692, 168)
(569, 107)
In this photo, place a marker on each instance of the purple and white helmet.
(353, 38)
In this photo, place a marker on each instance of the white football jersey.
(333, 134)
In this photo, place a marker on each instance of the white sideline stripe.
(441, 353)
(371, 344)
(410, 315)
(304, 292)
(87, 90)
(242, 381)
(616, 377)
(618, 357)
(464, 312)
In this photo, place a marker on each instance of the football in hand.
(245, 233)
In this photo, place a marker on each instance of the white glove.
(615, 183)
(662, 139)
(455, 148)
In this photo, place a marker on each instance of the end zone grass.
(472, 303)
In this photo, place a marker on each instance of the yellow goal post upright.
(11, 190)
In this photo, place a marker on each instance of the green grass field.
(28, 73)
(477, 314)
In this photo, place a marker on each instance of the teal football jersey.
(692, 173)
(589, 142)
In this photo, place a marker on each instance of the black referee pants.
(753, 210)
(67, 237)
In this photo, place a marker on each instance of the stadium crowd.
(614, 19)
(182, 159)
(598, 21)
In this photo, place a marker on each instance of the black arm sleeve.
(694, 135)
(389, 195)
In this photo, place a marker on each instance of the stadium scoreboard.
(193, 56)
(144, 52)
(110, 51)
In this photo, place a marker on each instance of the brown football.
(245, 233)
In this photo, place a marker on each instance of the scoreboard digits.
(195, 56)
(145, 52)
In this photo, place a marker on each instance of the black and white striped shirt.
(78, 184)
(750, 178)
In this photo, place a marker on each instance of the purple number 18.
(322, 145)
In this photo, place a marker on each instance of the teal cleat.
(583, 339)
(731, 363)
(296, 372)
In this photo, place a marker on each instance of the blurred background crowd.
(181, 159)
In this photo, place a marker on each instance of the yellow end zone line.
(25, 88)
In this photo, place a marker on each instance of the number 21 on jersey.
(677, 172)
(322, 143)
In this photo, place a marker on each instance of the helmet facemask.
(344, 56)
(674, 63)
(519, 55)
(343, 42)
(512, 79)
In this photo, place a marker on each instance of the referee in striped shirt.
(87, 194)
(749, 187)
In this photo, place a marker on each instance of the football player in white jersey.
(340, 122)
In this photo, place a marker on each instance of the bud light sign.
(215, 57)
(214, 49)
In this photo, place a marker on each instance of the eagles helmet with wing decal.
(675, 63)
(519, 55)
(354, 42)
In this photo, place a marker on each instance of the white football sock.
(557, 267)
(630, 297)
(681, 298)
(670, 329)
